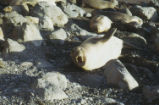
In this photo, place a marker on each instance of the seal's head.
(136, 19)
(100, 24)
(78, 56)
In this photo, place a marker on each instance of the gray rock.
(33, 20)
(13, 46)
(57, 16)
(22, 9)
(151, 93)
(77, 31)
(51, 86)
(149, 13)
(73, 11)
(12, 23)
(154, 3)
(116, 74)
(27, 64)
(32, 34)
(46, 24)
(58, 36)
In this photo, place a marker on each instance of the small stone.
(73, 10)
(116, 74)
(33, 20)
(43, 9)
(149, 13)
(58, 36)
(151, 93)
(1, 34)
(32, 34)
(13, 46)
(26, 64)
(51, 86)
(46, 24)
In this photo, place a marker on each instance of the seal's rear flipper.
(109, 34)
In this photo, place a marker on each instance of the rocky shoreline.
(37, 36)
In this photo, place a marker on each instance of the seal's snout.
(78, 56)
(79, 59)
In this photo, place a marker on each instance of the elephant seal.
(96, 51)
(100, 4)
(100, 23)
(119, 17)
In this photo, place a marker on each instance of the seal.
(96, 51)
(100, 24)
(119, 17)
(100, 4)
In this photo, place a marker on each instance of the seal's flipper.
(109, 34)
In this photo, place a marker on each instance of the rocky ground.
(36, 37)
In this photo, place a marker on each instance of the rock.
(154, 3)
(26, 64)
(117, 75)
(51, 86)
(22, 9)
(1, 34)
(58, 36)
(79, 32)
(12, 25)
(33, 20)
(149, 13)
(73, 10)
(32, 34)
(13, 46)
(151, 93)
(43, 9)
(46, 24)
